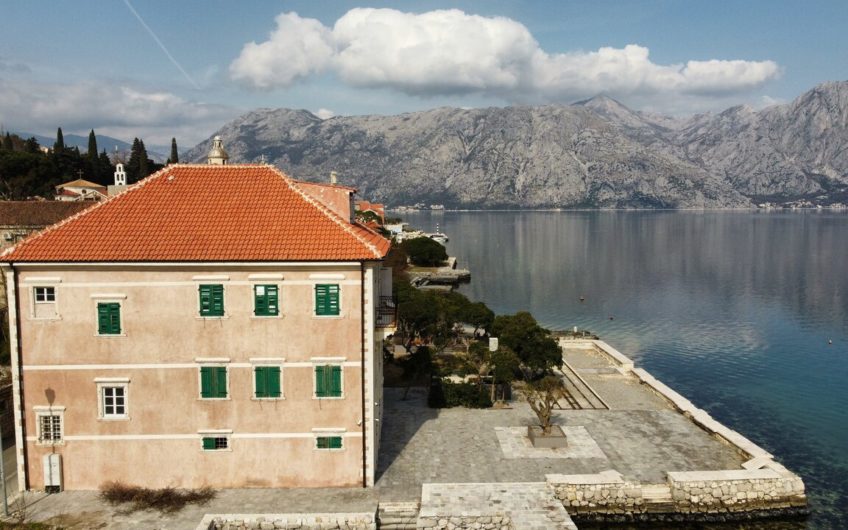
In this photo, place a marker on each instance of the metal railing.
(386, 312)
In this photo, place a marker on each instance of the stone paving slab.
(529, 506)
(515, 444)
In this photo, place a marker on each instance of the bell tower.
(217, 155)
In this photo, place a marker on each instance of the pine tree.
(59, 146)
(175, 157)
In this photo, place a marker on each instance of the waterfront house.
(213, 325)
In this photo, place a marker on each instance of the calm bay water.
(734, 310)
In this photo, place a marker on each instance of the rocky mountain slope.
(595, 153)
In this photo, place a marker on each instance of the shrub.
(424, 252)
(163, 499)
(445, 394)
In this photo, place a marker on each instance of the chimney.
(334, 178)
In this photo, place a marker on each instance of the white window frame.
(36, 302)
(216, 433)
(102, 385)
(327, 361)
(212, 279)
(44, 411)
(267, 361)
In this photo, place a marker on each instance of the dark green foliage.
(27, 172)
(92, 144)
(7, 142)
(143, 161)
(531, 343)
(92, 159)
(175, 156)
(139, 166)
(478, 315)
(542, 396)
(424, 252)
(59, 145)
(505, 365)
(446, 394)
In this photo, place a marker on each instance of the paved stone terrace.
(642, 437)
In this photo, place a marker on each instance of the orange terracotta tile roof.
(190, 212)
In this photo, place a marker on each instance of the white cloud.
(325, 114)
(297, 48)
(449, 52)
(115, 110)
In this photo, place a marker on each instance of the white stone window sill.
(214, 399)
(266, 317)
(224, 317)
(328, 450)
(114, 418)
(281, 398)
(329, 398)
(110, 335)
(328, 317)
(48, 444)
(229, 449)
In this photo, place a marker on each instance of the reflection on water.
(732, 309)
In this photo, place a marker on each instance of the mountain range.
(596, 153)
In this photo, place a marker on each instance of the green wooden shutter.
(321, 299)
(221, 381)
(108, 318)
(322, 442)
(206, 382)
(261, 382)
(208, 444)
(115, 318)
(273, 384)
(333, 300)
(336, 381)
(271, 293)
(211, 300)
(320, 381)
(335, 442)
(102, 319)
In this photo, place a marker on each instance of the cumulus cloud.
(116, 110)
(449, 52)
(297, 48)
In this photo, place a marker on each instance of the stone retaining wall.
(735, 491)
(289, 521)
(499, 522)
(603, 492)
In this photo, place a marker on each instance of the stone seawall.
(763, 486)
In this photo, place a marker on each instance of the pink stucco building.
(212, 325)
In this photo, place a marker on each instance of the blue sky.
(92, 63)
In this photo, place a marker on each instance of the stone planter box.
(555, 440)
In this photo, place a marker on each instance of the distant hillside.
(103, 142)
(595, 153)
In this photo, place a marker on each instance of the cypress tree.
(132, 165)
(175, 157)
(92, 145)
(7, 142)
(143, 167)
(91, 157)
(59, 146)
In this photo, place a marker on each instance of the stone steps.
(656, 494)
(398, 515)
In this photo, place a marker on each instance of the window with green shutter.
(211, 300)
(326, 299)
(328, 381)
(328, 442)
(108, 318)
(265, 300)
(213, 382)
(267, 380)
(215, 443)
